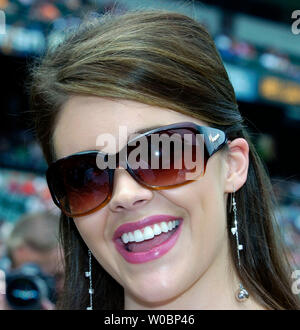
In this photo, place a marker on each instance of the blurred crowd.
(43, 18)
(45, 14)
(19, 151)
(31, 262)
(288, 214)
(268, 58)
(33, 24)
(22, 193)
(38, 12)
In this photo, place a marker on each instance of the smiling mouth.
(149, 237)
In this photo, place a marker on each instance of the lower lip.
(156, 252)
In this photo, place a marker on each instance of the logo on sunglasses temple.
(181, 150)
(213, 138)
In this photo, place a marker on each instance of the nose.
(128, 194)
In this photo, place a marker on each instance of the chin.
(154, 293)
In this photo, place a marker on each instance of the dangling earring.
(89, 275)
(241, 294)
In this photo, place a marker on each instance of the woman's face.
(201, 248)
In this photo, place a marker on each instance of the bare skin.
(197, 273)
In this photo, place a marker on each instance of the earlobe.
(237, 160)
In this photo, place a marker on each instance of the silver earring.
(88, 274)
(241, 294)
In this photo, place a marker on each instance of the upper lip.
(132, 226)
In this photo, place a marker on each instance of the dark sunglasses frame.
(214, 140)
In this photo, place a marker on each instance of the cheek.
(204, 205)
(92, 230)
(203, 201)
(203, 196)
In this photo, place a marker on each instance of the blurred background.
(259, 42)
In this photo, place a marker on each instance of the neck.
(215, 289)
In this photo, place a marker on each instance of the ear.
(237, 163)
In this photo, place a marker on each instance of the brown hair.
(164, 59)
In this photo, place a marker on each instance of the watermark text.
(2, 22)
(162, 151)
(296, 23)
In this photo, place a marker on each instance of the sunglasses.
(79, 186)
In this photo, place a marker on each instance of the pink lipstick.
(155, 247)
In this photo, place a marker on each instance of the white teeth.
(164, 227)
(138, 236)
(131, 237)
(125, 238)
(156, 229)
(149, 232)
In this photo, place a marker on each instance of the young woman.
(138, 237)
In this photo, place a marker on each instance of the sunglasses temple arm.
(214, 139)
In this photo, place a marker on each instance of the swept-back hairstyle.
(165, 59)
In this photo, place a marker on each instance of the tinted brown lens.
(174, 157)
(78, 184)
